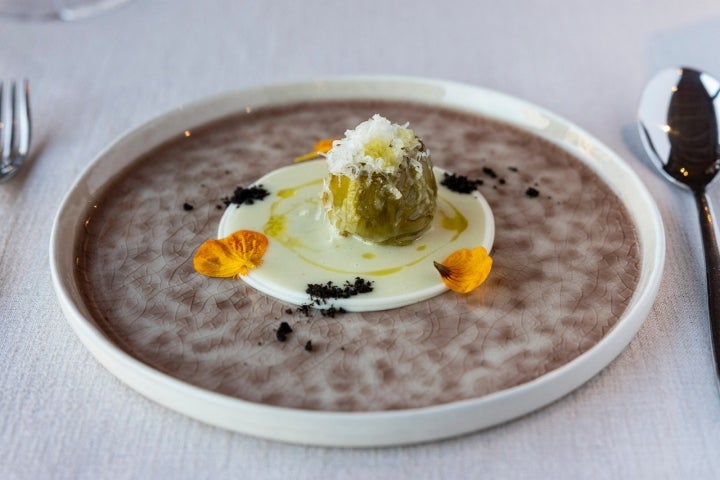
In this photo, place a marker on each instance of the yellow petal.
(465, 270)
(321, 146)
(231, 256)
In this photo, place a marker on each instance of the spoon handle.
(712, 261)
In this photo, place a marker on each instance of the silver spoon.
(678, 121)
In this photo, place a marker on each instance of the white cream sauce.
(304, 248)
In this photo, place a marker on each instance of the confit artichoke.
(381, 187)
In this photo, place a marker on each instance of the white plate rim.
(361, 429)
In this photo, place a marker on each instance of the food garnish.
(321, 292)
(246, 195)
(466, 269)
(460, 183)
(532, 192)
(283, 331)
(321, 146)
(232, 256)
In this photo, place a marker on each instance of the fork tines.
(15, 128)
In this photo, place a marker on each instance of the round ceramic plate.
(578, 256)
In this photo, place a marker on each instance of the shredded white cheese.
(375, 146)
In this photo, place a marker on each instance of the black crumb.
(532, 192)
(246, 196)
(283, 331)
(219, 207)
(489, 172)
(460, 183)
(320, 293)
(513, 169)
(332, 311)
(187, 207)
(308, 310)
(308, 346)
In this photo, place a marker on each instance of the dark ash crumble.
(532, 192)
(246, 196)
(464, 184)
(283, 331)
(321, 292)
(460, 183)
(489, 172)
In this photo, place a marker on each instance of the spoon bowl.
(678, 120)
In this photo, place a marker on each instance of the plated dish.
(307, 245)
(578, 255)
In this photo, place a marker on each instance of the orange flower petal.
(465, 270)
(321, 146)
(231, 256)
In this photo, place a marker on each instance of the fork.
(15, 128)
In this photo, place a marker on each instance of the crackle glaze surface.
(566, 263)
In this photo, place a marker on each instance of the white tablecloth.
(652, 413)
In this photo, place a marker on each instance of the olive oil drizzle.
(276, 227)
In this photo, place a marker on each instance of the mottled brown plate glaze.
(566, 264)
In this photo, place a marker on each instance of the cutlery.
(678, 122)
(15, 128)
